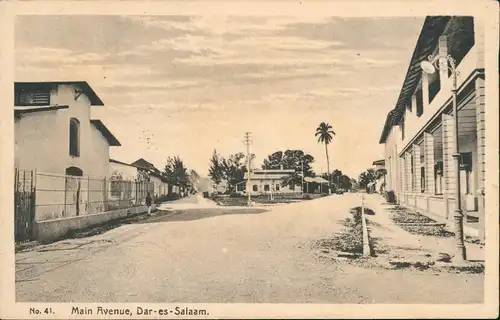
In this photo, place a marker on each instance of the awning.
(316, 179)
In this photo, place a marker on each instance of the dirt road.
(221, 255)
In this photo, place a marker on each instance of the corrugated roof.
(83, 85)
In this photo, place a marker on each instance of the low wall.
(48, 230)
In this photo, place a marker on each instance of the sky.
(186, 85)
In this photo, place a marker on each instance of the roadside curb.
(25, 246)
(366, 238)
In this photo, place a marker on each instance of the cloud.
(216, 76)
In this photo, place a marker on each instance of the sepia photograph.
(276, 158)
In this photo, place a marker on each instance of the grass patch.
(402, 216)
(350, 239)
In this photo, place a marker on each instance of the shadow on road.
(196, 214)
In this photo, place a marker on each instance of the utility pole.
(302, 166)
(248, 142)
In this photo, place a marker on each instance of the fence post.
(105, 194)
(65, 186)
(366, 244)
(32, 206)
(88, 195)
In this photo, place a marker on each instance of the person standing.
(148, 203)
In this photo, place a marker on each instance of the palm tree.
(324, 133)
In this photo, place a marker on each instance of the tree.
(345, 182)
(291, 160)
(176, 172)
(234, 169)
(216, 171)
(230, 170)
(325, 135)
(366, 177)
(336, 175)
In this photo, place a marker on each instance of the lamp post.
(458, 217)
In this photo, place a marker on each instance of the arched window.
(74, 171)
(255, 188)
(74, 137)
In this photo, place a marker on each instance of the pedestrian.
(148, 203)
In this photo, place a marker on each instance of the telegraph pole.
(248, 142)
(302, 166)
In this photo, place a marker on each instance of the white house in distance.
(267, 181)
(161, 185)
(378, 165)
(419, 132)
(56, 136)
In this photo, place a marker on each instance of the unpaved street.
(215, 255)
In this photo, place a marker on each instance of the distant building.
(380, 174)
(162, 186)
(418, 133)
(267, 182)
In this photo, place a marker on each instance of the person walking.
(148, 203)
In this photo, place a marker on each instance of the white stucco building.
(418, 134)
(267, 181)
(158, 186)
(56, 135)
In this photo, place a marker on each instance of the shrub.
(351, 240)
(390, 197)
(235, 195)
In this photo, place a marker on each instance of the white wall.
(127, 172)
(43, 138)
(42, 143)
(282, 189)
(97, 163)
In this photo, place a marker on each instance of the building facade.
(418, 134)
(56, 136)
(267, 181)
(162, 187)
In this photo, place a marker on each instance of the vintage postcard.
(222, 160)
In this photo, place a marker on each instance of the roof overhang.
(316, 179)
(105, 132)
(120, 162)
(82, 85)
(427, 41)
(23, 110)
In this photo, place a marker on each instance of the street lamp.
(430, 67)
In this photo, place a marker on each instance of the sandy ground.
(200, 254)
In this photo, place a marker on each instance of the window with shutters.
(32, 97)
